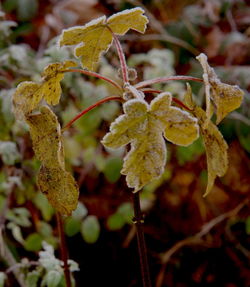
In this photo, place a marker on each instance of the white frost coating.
(91, 23)
(128, 11)
(129, 107)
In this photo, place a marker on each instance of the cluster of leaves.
(48, 269)
(142, 125)
(82, 147)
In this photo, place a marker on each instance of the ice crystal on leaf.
(226, 98)
(96, 36)
(143, 126)
(215, 145)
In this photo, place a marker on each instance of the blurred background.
(192, 241)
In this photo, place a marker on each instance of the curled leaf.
(46, 137)
(28, 95)
(52, 76)
(215, 145)
(60, 188)
(95, 37)
(226, 98)
(25, 99)
(143, 126)
(53, 180)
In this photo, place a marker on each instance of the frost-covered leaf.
(143, 126)
(215, 145)
(226, 98)
(53, 180)
(60, 188)
(29, 94)
(53, 278)
(95, 37)
(52, 75)
(45, 133)
(9, 152)
(25, 99)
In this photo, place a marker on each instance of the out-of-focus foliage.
(173, 203)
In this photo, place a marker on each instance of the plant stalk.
(96, 75)
(63, 247)
(166, 79)
(107, 99)
(122, 59)
(138, 222)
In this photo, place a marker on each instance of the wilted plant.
(143, 125)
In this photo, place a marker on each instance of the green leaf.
(72, 226)
(189, 153)
(32, 278)
(90, 229)
(115, 221)
(43, 205)
(33, 242)
(112, 169)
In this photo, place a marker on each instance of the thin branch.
(63, 247)
(166, 79)
(138, 221)
(197, 238)
(122, 59)
(69, 124)
(96, 75)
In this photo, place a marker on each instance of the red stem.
(121, 58)
(89, 109)
(93, 74)
(64, 251)
(177, 101)
(166, 79)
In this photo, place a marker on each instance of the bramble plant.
(144, 125)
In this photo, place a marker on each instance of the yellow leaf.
(134, 19)
(215, 145)
(226, 98)
(52, 75)
(142, 126)
(95, 37)
(180, 127)
(53, 180)
(25, 99)
(28, 95)
(46, 137)
(60, 188)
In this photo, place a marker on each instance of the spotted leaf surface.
(95, 37)
(25, 99)
(53, 180)
(52, 75)
(226, 98)
(215, 145)
(143, 126)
